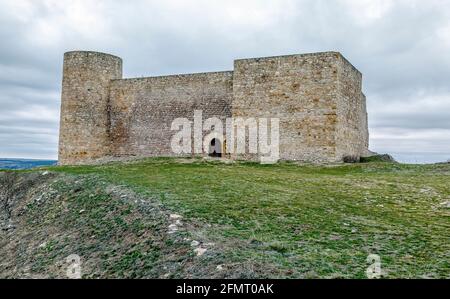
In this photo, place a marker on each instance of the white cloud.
(368, 11)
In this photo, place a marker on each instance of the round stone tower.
(84, 126)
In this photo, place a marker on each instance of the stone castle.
(317, 97)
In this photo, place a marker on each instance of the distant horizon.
(415, 158)
(26, 159)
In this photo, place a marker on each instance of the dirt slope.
(46, 217)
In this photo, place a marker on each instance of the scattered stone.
(445, 204)
(354, 230)
(43, 245)
(175, 217)
(82, 211)
(45, 173)
(195, 243)
(425, 190)
(173, 228)
(200, 251)
(219, 268)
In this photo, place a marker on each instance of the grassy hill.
(193, 218)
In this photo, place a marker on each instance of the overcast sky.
(401, 47)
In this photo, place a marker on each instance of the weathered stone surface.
(300, 90)
(317, 98)
(84, 105)
(142, 110)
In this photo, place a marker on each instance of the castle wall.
(317, 98)
(84, 105)
(301, 91)
(351, 131)
(143, 109)
(364, 127)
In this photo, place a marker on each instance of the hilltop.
(190, 218)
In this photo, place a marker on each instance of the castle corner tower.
(84, 127)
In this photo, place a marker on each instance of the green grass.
(113, 237)
(305, 220)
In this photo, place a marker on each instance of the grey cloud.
(400, 46)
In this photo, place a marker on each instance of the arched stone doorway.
(215, 148)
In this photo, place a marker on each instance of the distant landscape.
(24, 163)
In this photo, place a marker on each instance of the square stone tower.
(317, 98)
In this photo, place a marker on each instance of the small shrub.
(378, 158)
(351, 159)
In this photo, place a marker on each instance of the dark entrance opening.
(215, 148)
